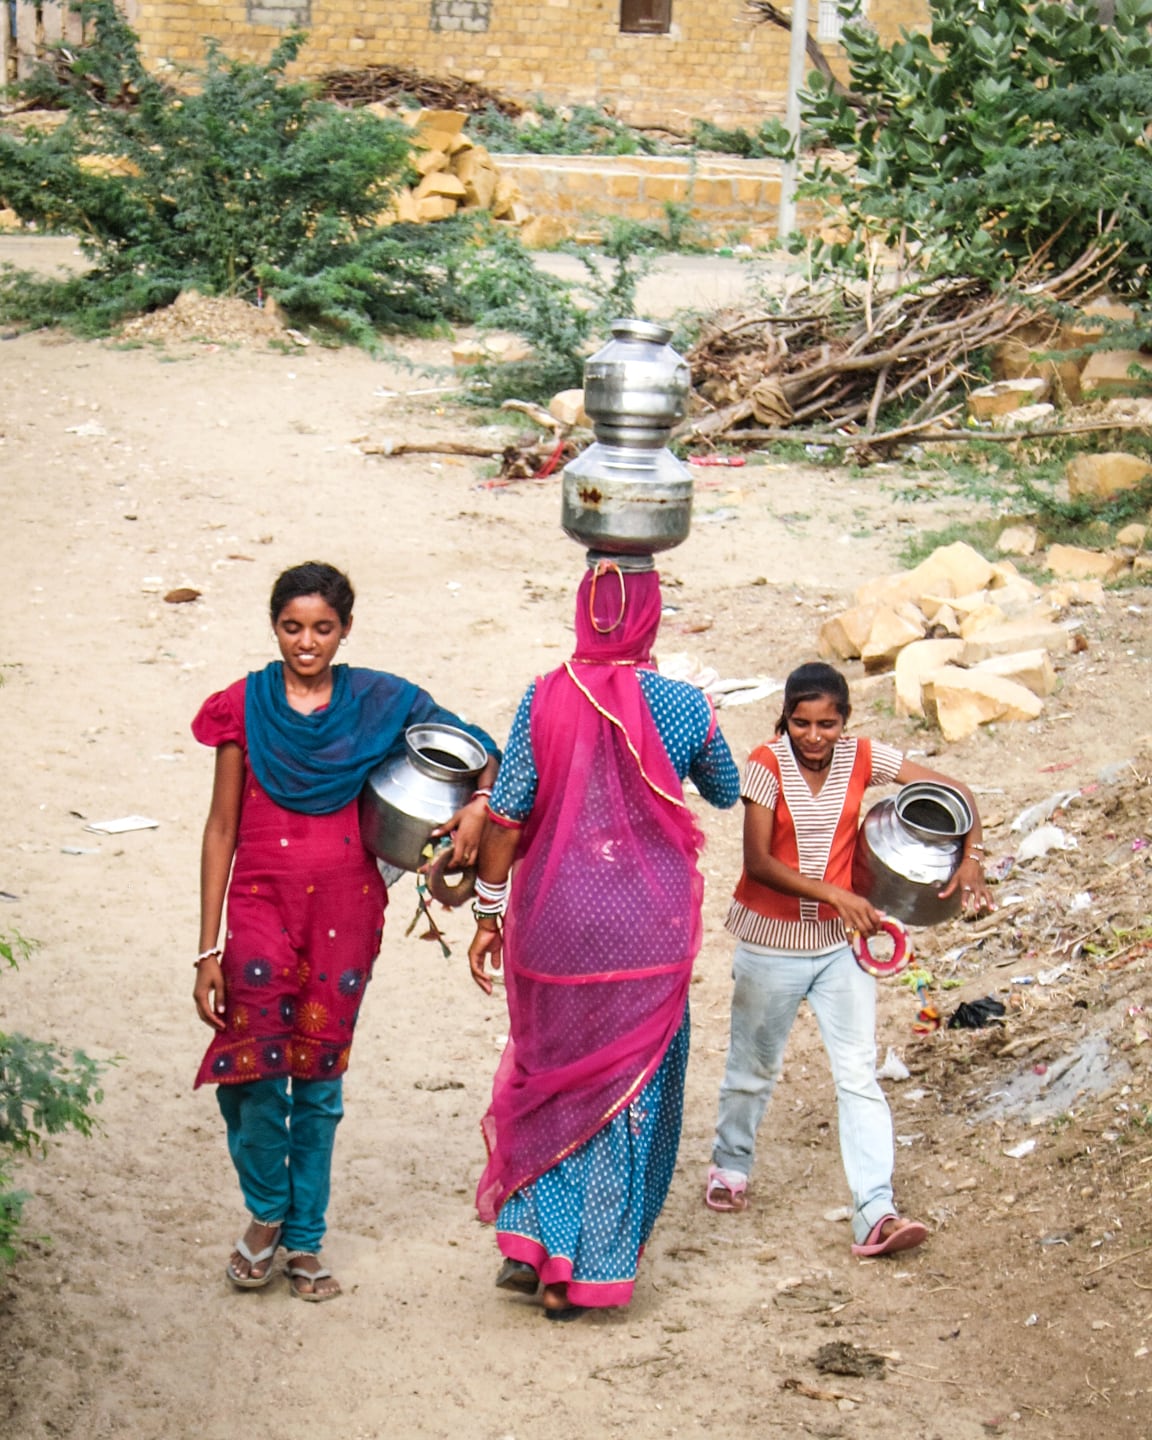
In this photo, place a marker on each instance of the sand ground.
(127, 472)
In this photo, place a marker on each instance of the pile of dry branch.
(392, 83)
(830, 358)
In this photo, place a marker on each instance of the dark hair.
(313, 578)
(814, 681)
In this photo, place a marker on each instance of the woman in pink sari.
(601, 924)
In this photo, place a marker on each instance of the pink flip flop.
(727, 1190)
(907, 1237)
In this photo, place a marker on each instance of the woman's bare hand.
(208, 992)
(487, 945)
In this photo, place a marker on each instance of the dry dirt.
(125, 473)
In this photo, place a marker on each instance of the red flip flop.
(906, 1237)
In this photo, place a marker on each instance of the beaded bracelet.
(207, 955)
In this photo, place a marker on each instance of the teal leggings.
(280, 1137)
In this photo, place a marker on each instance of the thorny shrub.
(1003, 127)
(44, 1090)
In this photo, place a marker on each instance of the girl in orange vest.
(793, 915)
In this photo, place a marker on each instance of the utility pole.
(789, 169)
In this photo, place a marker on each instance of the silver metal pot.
(909, 847)
(626, 494)
(636, 387)
(407, 797)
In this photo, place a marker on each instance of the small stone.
(1073, 562)
(990, 402)
(1100, 476)
(1018, 540)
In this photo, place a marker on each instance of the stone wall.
(712, 63)
(726, 200)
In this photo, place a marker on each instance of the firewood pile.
(394, 84)
(826, 360)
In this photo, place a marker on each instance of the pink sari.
(604, 921)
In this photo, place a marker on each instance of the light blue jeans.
(280, 1136)
(768, 989)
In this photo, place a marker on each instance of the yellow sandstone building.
(656, 62)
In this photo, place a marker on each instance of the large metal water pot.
(909, 847)
(626, 494)
(406, 797)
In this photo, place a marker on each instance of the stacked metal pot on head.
(627, 495)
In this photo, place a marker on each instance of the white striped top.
(815, 818)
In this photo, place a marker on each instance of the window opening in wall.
(830, 17)
(645, 17)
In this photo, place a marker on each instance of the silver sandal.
(254, 1282)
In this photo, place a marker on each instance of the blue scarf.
(315, 764)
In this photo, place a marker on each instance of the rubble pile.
(456, 174)
(970, 641)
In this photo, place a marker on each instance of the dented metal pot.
(626, 494)
(408, 796)
(909, 847)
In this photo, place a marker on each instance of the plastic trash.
(893, 1067)
(1036, 814)
(1044, 839)
(122, 825)
(1018, 1152)
(976, 1014)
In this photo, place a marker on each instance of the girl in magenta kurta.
(305, 909)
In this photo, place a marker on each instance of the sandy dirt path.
(124, 473)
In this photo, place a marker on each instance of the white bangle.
(208, 954)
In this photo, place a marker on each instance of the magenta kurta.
(304, 923)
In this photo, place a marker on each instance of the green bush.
(581, 130)
(1005, 128)
(44, 1090)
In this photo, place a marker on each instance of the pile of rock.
(1052, 365)
(970, 641)
(458, 174)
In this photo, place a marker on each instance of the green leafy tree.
(1008, 126)
(44, 1090)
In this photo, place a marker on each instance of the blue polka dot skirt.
(586, 1221)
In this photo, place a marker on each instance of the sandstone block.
(983, 617)
(506, 348)
(1016, 360)
(1134, 535)
(404, 203)
(1018, 540)
(960, 701)
(893, 589)
(506, 196)
(1072, 562)
(424, 162)
(1075, 592)
(1027, 417)
(469, 161)
(9, 220)
(443, 122)
(1106, 373)
(466, 353)
(915, 661)
(568, 407)
(543, 232)
(951, 570)
(1090, 326)
(440, 183)
(843, 636)
(889, 634)
(1142, 564)
(991, 401)
(1031, 668)
(1025, 634)
(434, 207)
(945, 623)
(1100, 476)
(1005, 576)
